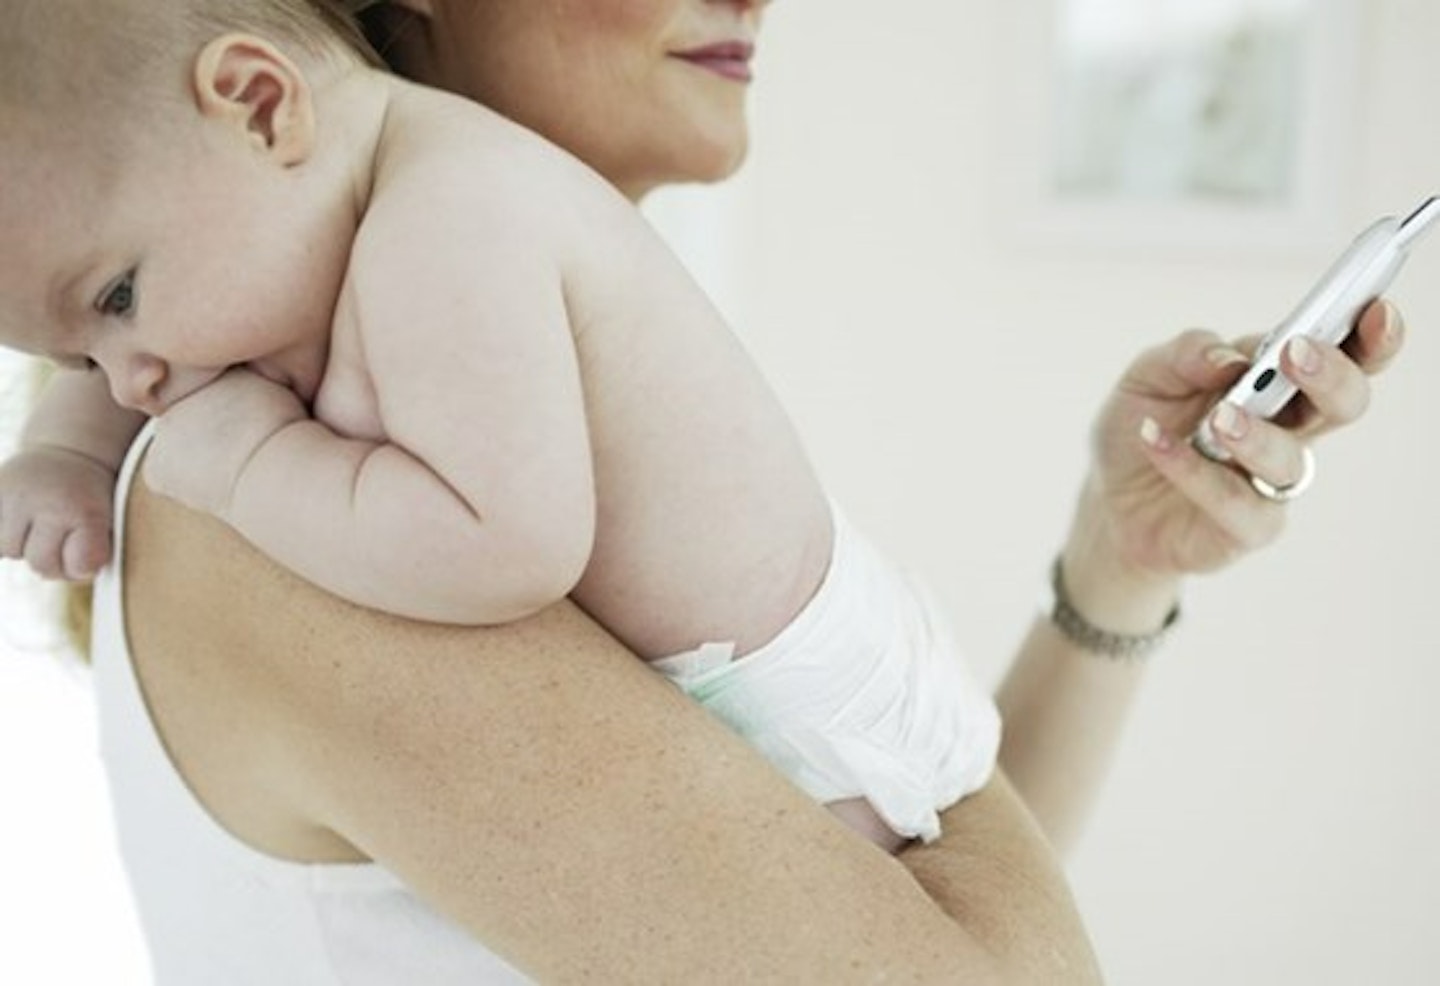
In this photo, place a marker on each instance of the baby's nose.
(137, 384)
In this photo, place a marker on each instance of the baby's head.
(154, 216)
(99, 55)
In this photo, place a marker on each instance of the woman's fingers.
(1334, 381)
(1223, 492)
(1259, 448)
(1192, 364)
(1378, 337)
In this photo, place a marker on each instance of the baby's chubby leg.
(886, 743)
(861, 701)
(716, 679)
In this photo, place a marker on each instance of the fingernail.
(1394, 324)
(1223, 356)
(1153, 436)
(1229, 421)
(1304, 354)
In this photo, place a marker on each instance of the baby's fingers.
(14, 527)
(42, 549)
(56, 551)
(84, 551)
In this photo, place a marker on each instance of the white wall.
(1269, 821)
(64, 906)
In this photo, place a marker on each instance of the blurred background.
(943, 272)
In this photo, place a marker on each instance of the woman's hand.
(203, 442)
(1154, 508)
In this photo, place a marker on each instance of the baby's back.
(711, 524)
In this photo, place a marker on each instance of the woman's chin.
(707, 163)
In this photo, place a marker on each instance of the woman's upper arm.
(537, 783)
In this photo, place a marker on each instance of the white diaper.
(862, 695)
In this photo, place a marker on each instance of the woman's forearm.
(992, 871)
(540, 785)
(1065, 707)
(1064, 712)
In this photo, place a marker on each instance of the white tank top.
(216, 911)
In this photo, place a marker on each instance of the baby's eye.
(81, 363)
(118, 299)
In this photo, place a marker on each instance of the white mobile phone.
(1327, 313)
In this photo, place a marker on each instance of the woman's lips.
(729, 59)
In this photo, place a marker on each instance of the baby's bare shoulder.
(438, 148)
(465, 201)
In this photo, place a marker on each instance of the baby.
(434, 364)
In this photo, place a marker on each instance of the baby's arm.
(476, 506)
(55, 491)
(368, 520)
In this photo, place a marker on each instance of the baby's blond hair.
(87, 56)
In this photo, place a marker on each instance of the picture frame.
(1173, 127)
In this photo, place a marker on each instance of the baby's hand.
(55, 512)
(203, 442)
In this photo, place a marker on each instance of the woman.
(610, 82)
(368, 785)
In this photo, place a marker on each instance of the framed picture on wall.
(1182, 124)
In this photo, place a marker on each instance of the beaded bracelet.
(1088, 637)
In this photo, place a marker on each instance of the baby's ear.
(247, 81)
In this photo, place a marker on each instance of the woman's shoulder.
(207, 623)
